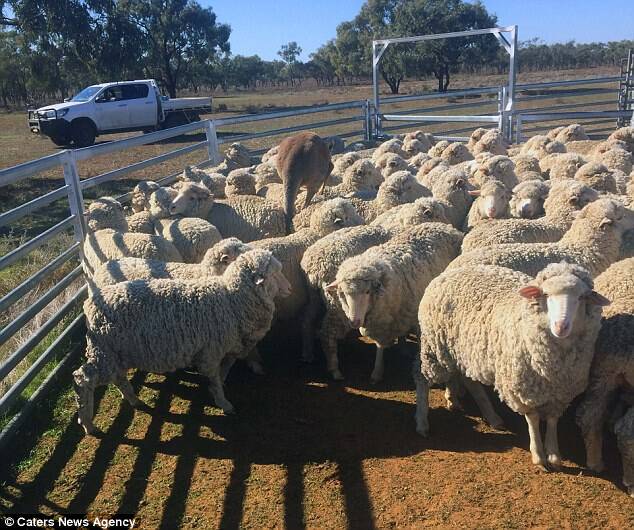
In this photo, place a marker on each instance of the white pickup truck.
(113, 108)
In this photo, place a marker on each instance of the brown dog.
(302, 160)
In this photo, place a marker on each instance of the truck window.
(114, 93)
(135, 91)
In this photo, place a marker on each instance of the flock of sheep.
(514, 266)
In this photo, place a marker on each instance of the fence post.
(518, 129)
(212, 142)
(75, 196)
(367, 124)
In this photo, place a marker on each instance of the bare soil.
(303, 452)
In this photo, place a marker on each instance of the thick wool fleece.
(141, 193)
(565, 198)
(106, 212)
(597, 176)
(397, 274)
(456, 153)
(105, 245)
(164, 325)
(500, 194)
(360, 176)
(534, 190)
(474, 322)
(191, 236)
(391, 146)
(332, 215)
(451, 189)
(561, 165)
(613, 363)
(525, 163)
(399, 188)
(497, 167)
(248, 218)
(423, 210)
(593, 241)
(240, 182)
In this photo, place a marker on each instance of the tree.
(177, 36)
(289, 54)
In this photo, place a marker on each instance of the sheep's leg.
(552, 442)
(422, 399)
(484, 403)
(308, 325)
(591, 416)
(379, 365)
(329, 345)
(453, 392)
(254, 361)
(225, 366)
(85, 384)
(536, 446)
(212, 371)
(125, 387)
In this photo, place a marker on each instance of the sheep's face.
(354, 297)
(423, 211)
(562, 300)
(362, 174)
(404, 186)
(334, 215)
(191, 200)
(527, 207)
(223, 254)
(606, 215)
(275, 283)
(493, 200)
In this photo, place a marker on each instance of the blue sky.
(261, 27)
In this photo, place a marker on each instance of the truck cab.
(111, 108)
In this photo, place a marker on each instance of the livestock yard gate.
(38, 346)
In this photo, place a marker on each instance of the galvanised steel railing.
(11, 406)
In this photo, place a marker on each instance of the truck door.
(141, 105)
(111, 109)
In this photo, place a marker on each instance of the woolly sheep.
(106, 212)
(108, 244)
(626, 135)
(399, 188)
(430, 169)
(269, 156)
(616, 159)
(379, 290)
(593, 241)
(476, 136)
(456, 153)
(528, 199)
(240, 182)
(236, 157)
(561, 165)
(541, 146)
(141, 194)
(451, 189)
(437, 149)
(427, 139)
(423, 210)
(164, 325)
(248, 218)
(191, 236)
(526, 163)
(158, 207)
(596, 176)
(418, 160)
(389, 163)
(491, 142)
(361, 176)
(624, 430)
(613, 364)
(413, 147)
(394, 146)
(214, 182)
(497, 167)
(492, 202)
(331, 215)
(552, 134)
(531, 339)
(341, 163)
(564, 199)
(266, 173)
(214, 263)
(571, 133)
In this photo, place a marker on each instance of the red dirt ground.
(304, 452)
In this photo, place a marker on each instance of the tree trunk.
(446, 83)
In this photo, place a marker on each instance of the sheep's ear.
(259, 279)
(338, 220)
(606, 221)
(474, 193)
(331, 287)
(530, 291)
(224, 258)
(597, 299)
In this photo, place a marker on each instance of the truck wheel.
(174, 120)
(83, 134)
(60, 140)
